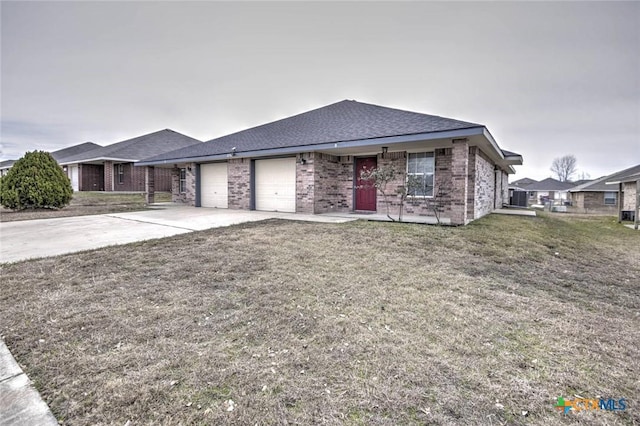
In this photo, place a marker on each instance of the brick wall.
(629, 189)
(483, 184)
(239, 183)
(162, 178)
(189, 196)
(133, 178)
(419, 206)
(333, 177)
(305, 182)
(150, 185)
(108, 175)
(91, 177)
(504, 189)
(459, 181)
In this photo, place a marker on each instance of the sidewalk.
(20, 403)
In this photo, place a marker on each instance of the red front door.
(365, 191)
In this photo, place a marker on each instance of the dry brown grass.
(360, 323)
(87, 203)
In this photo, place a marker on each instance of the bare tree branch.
(564, 167)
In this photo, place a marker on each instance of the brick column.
(108, 176)
(150, 184)
(459, 181)
(305, 188)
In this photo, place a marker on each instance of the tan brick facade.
(482, 178)
(629, 190)
(239, 183)
(467, 184)
(189, 195)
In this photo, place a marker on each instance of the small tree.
(564, 167)
(412, 184)
(379, 178)
(436, 202)
(35, 181)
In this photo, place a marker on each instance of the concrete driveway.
(28, 239)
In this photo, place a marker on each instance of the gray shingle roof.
(549, 184)
(339, 122)
(509, 154)
(139, 147)
(523, 182)
(6, 163)
(600, 184)
(626, 175)
(71, 151)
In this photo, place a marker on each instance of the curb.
(20, 402)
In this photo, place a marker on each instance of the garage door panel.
(275, 182)
(214, 187)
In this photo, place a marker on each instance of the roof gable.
(61, 154)
(600, 184)
(339, 122)
(138, 148)
(549, 184)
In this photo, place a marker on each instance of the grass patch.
(359, 323)
(88, 203)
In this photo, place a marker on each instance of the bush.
(35, 181)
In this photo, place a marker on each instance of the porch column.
(636, 218)
(620, 202)
(459, 181)
(108, 176)
(150, 185)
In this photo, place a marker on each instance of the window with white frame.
(183, 181)
(120, 169)
(420, 167)
(610, 198)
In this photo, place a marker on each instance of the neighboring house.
(548, 190)
(628, 185)
(5, 166)
(58, 155)
(597, 196)
(110, 168)
(521, 184)
(62, 154)
(311, 163)
(518, 195)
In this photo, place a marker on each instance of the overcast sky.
(547, 79)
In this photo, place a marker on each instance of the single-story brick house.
(548, 189)
(58, 155)
(110, 168)
(628, 184)
(311, 163)
(597, 196)
(5, 166)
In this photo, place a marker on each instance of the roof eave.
(358, 143)
(88, 160)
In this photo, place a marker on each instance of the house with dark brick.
(110, 168)
(312, 163)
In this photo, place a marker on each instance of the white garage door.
(276, 185)
(213, 185)
(73, 172)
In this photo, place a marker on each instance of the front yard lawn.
(88, 203)
(359, 323)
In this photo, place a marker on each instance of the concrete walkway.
(22, 240)
(20, 403)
